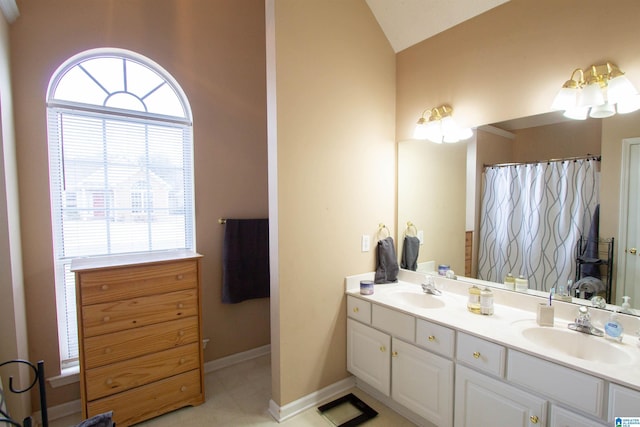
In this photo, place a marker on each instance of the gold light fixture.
(437, 125)
(597, 92)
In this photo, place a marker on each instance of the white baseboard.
(75, 406)
(282, 413)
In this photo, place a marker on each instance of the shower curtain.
(532, 216)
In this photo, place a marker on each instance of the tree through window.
(120, 164)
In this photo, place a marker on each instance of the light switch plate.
(421, 236)
(365, 243)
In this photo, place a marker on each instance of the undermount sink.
(576, 344)
(415, 299)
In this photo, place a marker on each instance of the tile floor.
(239, 396)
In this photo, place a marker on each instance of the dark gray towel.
(387, 262)
(245, 260)
(410, 250)
(100, 420)
(590, 255)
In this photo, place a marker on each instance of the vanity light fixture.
(437, 125)
(597, 92)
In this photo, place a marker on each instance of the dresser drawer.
(151, 400)
(481, 354)
(121, 376)
(104, 349)
(137, 312)
(576, 389)
(436, 338)
(130, 282)
(398, 324)
(359, 309)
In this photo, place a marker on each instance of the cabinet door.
(482, 401)
(368, 355)
(422, 382)
(560, 417)
(623, 402)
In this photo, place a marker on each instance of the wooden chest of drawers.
(140, 334)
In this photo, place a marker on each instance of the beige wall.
(510, 62)
(336, 157)
(215, 50)
(13, 322)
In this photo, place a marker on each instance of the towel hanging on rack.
(410, 249)
(387, 262)
(245, 260)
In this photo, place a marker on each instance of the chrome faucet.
(583, 323)
(430, 287)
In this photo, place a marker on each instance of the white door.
(422, 382)
(368, 355)
(629, 246)
(482, 401)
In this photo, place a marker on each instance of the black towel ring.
(411, 228)
(382, 229)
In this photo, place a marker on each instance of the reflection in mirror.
(534, 139)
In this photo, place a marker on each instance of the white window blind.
(121, 168)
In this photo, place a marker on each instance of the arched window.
(120, 164)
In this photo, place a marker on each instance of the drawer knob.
(534, 419)
(383, 348)
(356, 309)
(182, 360)
(183, 388)
(180, 305)
(180, 277)
(107, 350)
(106, 318)
(394, 354)
(476, 355)
(109, 381)
(104, 287)
(431, 338)
(181, 333)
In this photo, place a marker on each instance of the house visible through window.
(120, 165)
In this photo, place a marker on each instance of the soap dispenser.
(613, 328)
(626, 305)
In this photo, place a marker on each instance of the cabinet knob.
(383, 348)
(356, 309)
(633, 251)
(476, 355)
(180, 305)
(107, 350)
(394, 354)
(109, 381)
(181, 333)
(534, 419)
(431, 338)
(179, 277)
(183, 388)
(106, 318)
(104, 287)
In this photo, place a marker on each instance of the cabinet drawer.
(121, 376)
(133, 313)
(394, 322)
(436, 338)
(130, 282)
(359, 309)
(576, 389)
(560, 417)
(104, 349)
(481, 354)
(151, 400)
(623, 402)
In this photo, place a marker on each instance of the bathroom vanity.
(436, 363)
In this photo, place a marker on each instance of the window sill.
(68, 376)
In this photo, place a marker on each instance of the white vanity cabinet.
(561, 417)
(384, 357)
(482, 401)
(623, 402)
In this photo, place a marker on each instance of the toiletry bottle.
(486, 302)
(522, 284)
(473, 305)
(613, 328)
(626, 305)
(510, 282)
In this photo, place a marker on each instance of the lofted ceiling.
(407, 22)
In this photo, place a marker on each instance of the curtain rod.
(534, 162)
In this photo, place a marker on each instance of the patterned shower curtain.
(532, 216)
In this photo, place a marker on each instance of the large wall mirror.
(440, 191)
